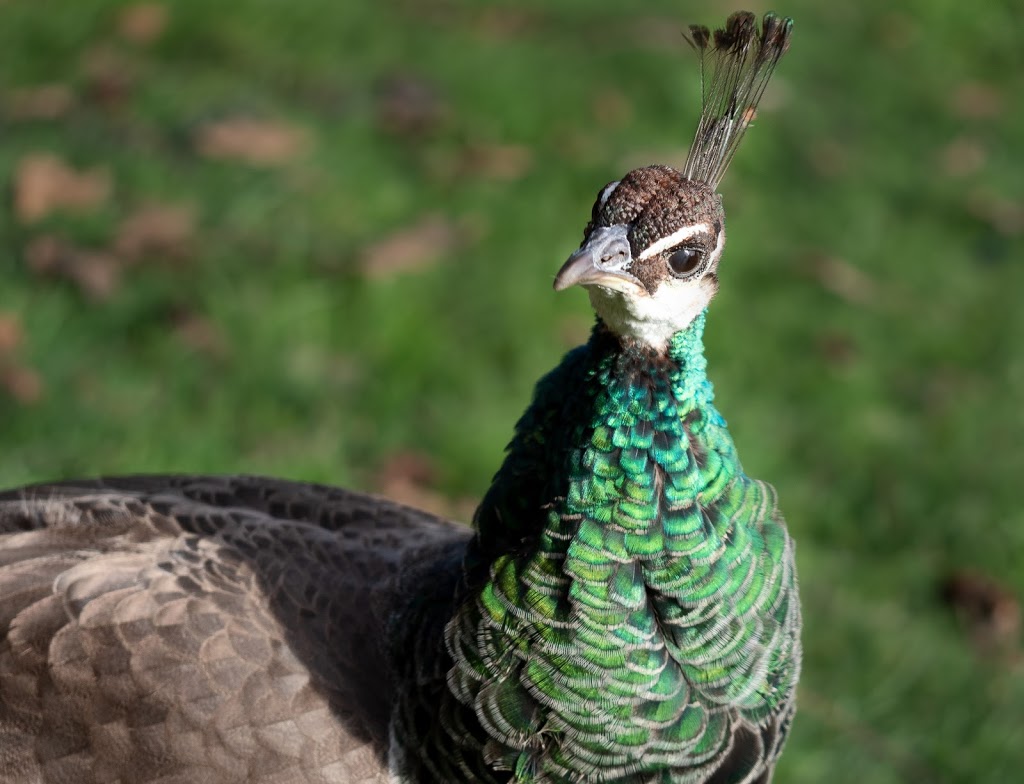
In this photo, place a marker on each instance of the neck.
(597, 391)
(610, 388)
(626, 609)
(687, 349)
(600, 546)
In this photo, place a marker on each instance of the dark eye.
(685, 261)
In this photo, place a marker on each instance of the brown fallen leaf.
(22, 383)
(963, 156)
(496, 161)
(411, 248)
(1004, 215)
(989, 611)
(409, 105)
(18, 381)
(201, 334)
(829, 158)
(898, 30)
(252, 141)
(157, 229)
(109, 74)
(408, 466)
(97, 274)
(844, 280)
(407, 477)
(838, 350)
(142, 23)
(611, 108)
(41, 102)
(506, 23)
(11, 333)
(976, 101)
(43, 183)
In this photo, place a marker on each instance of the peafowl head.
(650, 253)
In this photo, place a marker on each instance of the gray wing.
(177, 629)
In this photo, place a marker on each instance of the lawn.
(317, 240)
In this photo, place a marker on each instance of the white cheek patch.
(609, 189)
(675, 238)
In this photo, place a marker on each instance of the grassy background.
(374, 307)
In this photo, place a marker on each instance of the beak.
(602, 261)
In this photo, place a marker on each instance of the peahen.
(625, 611)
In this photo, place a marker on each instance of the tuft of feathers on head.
(743, 59)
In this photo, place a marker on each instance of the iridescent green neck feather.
(631, 603)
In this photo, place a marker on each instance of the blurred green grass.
(867, 346)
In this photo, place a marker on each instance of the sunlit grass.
(866, 346)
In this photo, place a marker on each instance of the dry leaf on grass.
(96, 274)
(256, 142)
(142, 23)
(43, 183)
(157, 229)
(829, 158)
(201, 334)
(408, 466)
(409, 105)
(844, 280)
(407, 477)
(1004, 215)
(976, 101)
(109, 75)
(506, 23)
(963, 156)
(898, 30)
(990, 612)
(838, 350)
(41, 102)
(11, 333)
(411, 248)
(611, 108)
(496, 161)
(21, 383)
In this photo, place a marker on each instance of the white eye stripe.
(674, 239)
(606, 193)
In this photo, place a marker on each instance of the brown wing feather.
(166, 629)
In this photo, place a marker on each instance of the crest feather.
(743, 59)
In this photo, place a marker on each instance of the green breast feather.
(636, 607)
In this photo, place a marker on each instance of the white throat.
(654, 319)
